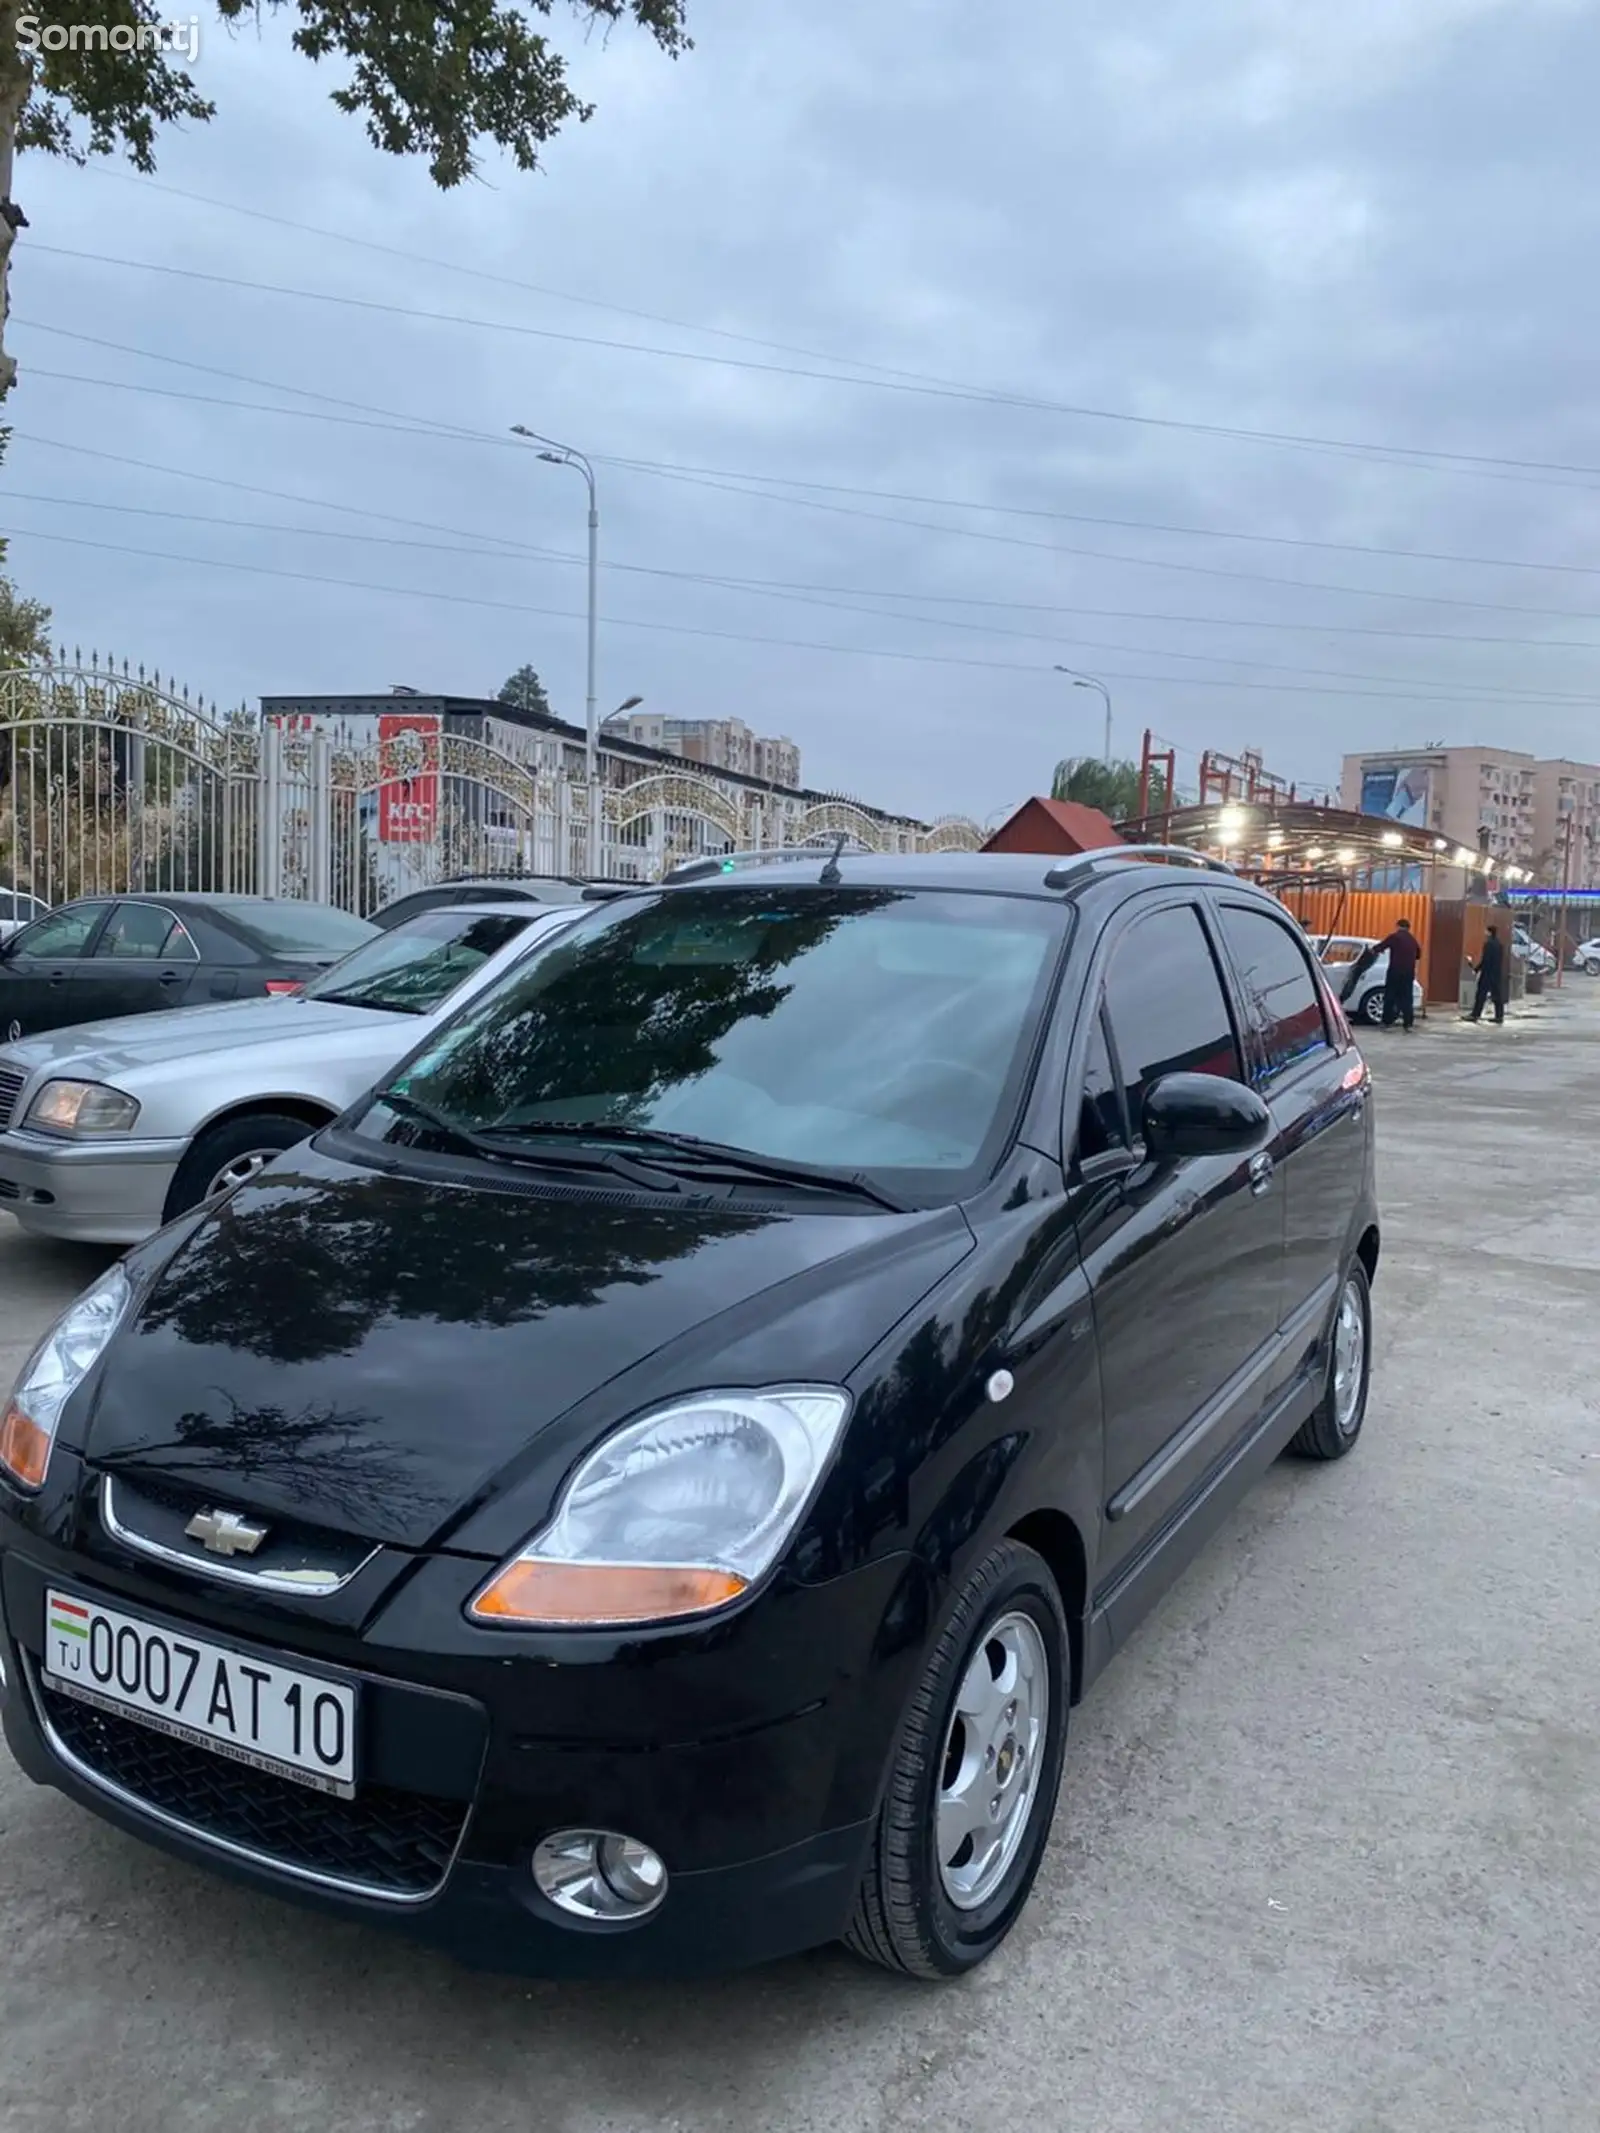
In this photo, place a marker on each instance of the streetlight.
(563, 455)
(1087, 681)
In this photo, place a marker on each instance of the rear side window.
(1280, 993)
(1166, 1006)
(286, 928)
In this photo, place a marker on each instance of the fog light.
(594, 1873)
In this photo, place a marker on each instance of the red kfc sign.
(408, 797)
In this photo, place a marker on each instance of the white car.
(1586, 956)
(19, 909)
(1527, 950)
(110, 1129)
(1339, 957)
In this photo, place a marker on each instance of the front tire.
(1369, 1008)
(228, 1154)
(972, 1790)
(1333, 1429)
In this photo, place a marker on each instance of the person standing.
(1491, 978)
(1404, 951)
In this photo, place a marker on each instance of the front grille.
(383, 1843)
(10, 1089)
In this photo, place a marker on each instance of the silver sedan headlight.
(88, 1108)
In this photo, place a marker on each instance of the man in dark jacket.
(1491, 978)
(1404, 951)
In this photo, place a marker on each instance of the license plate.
(299, 1726)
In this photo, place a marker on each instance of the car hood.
(111, 1050)
(418, 1361)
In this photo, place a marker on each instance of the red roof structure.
(1054, 827)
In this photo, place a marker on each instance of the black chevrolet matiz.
(641, 1492)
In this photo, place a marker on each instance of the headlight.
(675, 1514)
(53, 1373)
(81, 1107)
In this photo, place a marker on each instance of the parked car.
(642, 1490)
(1534, 953)
(1586, 956)
(115, 1129)
(17, 908)
(1339, 956)
(480, 888)
(106, 956)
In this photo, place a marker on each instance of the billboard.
(1396, 791)
(408, 796)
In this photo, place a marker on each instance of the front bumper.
(764, 1821)
(87, 1192)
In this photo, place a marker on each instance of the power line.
(732, 581)
(964, 533)
(794, 595)
(512, 281)
(844, 597)
(677, 629)
(433, 425)
(1426, 458)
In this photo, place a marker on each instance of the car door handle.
(170, 977)
(1260, 1173)
(59, 977)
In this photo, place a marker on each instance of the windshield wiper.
(359, 999)
(468, 1142)
(461, 1138)
(690, 1150)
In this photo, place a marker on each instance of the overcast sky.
(1373, 223)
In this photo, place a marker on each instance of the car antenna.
(829, 876)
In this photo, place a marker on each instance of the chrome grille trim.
(12, 1081)
(329, 1582)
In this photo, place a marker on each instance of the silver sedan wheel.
(1349, 1360)
(989, 1778)
(238, 1168)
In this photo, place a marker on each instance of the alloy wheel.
(238, 1169)
(993, 1751)
(1349, 1360)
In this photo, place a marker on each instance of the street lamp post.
(563, 455)
(1087, 681)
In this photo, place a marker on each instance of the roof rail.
(759, 856)
(1066, 871)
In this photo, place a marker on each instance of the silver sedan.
(109, 1129)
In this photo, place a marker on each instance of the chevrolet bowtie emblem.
(225, 1533)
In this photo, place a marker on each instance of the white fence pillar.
(320, 862)
(269, 817)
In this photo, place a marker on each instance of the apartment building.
(715, 743)
(1514, 805)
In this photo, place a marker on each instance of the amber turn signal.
(552, 1595)
(24, 1448)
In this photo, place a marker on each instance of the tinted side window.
(63, 933)
(141, 930)
(1167, 1008)
(1100, 1126)
(1279, 991)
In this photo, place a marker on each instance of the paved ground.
(1328, 1854)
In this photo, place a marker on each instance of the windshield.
(862, 1029)
(313, 931)
(412, 969)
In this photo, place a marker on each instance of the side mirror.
(1201, 1114)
